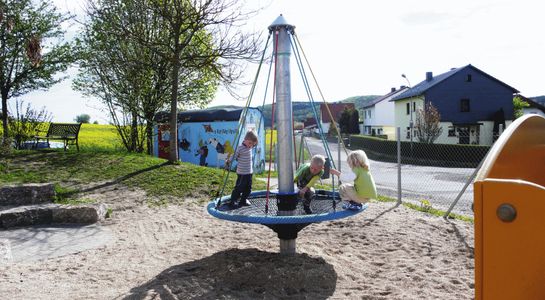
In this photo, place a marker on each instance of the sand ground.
(181, 252)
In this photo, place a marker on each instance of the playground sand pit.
(180, 252)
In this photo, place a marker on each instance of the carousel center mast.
(285, 156)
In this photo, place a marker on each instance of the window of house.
(468, 78)
(464, 105)
(408, 108)
(451, 132)
(408, 132)
(414, 106)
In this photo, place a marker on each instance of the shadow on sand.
(242, 274)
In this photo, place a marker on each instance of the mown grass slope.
(103, 159)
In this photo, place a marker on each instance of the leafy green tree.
(31, 51)
(349, 121)
(126, 63)
(130, 79)
(203, 35)
(518, 105)
(83, 118)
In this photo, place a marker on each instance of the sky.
(359, 47)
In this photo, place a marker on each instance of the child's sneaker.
(353, 206)
(307, 209)
(244, 203)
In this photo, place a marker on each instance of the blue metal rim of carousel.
(257, 214)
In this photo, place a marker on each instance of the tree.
(344, 120)
(83, 118)
(30, 49)
(128, 64)
(518, 105)
(190, 23)
(427, 124)
(349, 121)
(354, 124)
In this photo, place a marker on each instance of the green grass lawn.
(102, 158)
(99, 137)
(154, 175)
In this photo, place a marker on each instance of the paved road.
(438, 185)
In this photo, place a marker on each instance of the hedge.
(444, 155)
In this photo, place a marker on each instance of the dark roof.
(379, 99)
(336, 110)
(425, 85)
(226, 113)
(532, 103)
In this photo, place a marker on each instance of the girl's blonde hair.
(358, 158)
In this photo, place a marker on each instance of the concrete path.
(43, 242)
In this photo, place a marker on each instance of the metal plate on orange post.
(513, 252)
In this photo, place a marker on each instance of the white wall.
(532, 110)
(384, 113)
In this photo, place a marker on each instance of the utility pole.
(411, 108)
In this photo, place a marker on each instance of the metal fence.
(431, 175)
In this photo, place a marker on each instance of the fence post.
(469, 180)
(339, 151)
(398, 134)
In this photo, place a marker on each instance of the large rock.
(44, 214)
(81, 214)
(27, 215)
(27, 194)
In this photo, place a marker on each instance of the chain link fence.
(436, 175)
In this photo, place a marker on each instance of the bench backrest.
(68, 130)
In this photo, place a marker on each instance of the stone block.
(27, 194)
(81, 214)
(27, 216)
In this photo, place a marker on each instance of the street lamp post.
(411, 107)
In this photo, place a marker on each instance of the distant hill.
(303, 110)
(360, 101)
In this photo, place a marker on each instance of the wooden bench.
(66, 132)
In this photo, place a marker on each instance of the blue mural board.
(211, 143)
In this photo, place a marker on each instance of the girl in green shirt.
(363, 187)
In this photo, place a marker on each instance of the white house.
(378, 115)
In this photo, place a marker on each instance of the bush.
(27, 123)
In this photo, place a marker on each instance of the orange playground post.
(509, 207)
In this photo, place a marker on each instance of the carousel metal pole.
(283, 105)
(286, 197)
